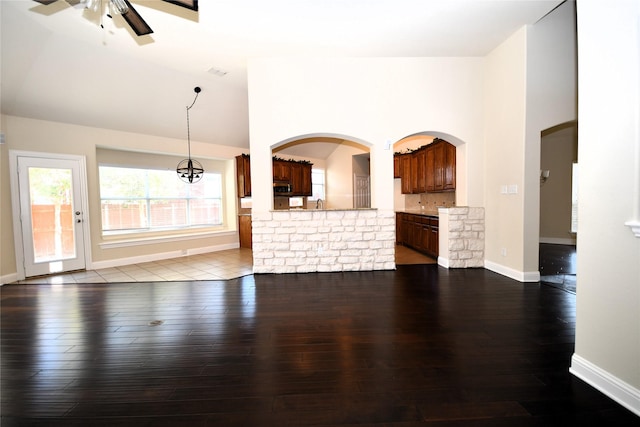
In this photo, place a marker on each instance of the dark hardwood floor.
(558, 266)
(421, 345)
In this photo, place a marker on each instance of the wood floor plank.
(420, 345)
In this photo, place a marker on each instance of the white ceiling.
(59, 65)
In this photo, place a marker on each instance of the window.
(139, 200)
(317, 185)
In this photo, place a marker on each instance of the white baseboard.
(160, 256)
(558, 240)
(443, 262)
(8, 278)
(520, 276)
(610, 385)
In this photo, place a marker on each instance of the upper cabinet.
(405, 173)
(430, 168)
(396, 165)
(243, 176)
(305, 180)
(298, 174)
(281, 170)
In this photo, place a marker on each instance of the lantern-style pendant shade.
(190, 171)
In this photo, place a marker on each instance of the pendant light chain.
(197, 91)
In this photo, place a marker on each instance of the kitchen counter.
(424, 212)
(324, 210)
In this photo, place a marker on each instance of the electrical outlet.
(503, 251)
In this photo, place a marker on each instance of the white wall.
(339, 177)
(557, 154)
(370, 101)
(530, 85)
(607, 350)
(505, 109)
(551, 100)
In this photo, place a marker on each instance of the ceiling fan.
(126, 9)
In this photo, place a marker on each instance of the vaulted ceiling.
(59, 65)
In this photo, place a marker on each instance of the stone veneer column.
(461, 237)
(300, 241)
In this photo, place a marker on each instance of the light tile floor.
(222, 265)
(406, 256)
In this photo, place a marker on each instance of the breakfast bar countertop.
(425, 212)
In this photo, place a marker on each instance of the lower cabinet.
(419, 232)
(245, 230)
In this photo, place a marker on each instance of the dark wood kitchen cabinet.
(419, 232)
(296, 173)
(300, 178)
(306, 187)
(429, 169)
(405, 173)
(440, 167)
(449, 181)
(282, 170)
(396, 165)
(243, 175)
(419, 184)
(245, 230)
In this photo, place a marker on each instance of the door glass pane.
(52, 219)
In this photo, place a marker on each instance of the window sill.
(118, 242)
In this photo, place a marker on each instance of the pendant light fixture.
(190, 170)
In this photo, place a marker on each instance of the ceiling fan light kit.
(125, 9)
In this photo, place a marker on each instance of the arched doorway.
(340, 165)
(417, 197)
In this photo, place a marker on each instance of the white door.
(50, 214)
(362, 193)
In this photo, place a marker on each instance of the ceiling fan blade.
(135, 21)
(47, 2)
(189, 4)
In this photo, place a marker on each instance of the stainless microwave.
(281, 188)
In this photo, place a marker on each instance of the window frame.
(148, 201)
(312, 198)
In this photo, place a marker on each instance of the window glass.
(136, 199)
(317, 184)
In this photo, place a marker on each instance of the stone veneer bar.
(303, 241)
(461, 237)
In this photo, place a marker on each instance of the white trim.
(520, 276)
(8, 278)
(635, 227)
(140, 241)
(15, 203)
(443, 262)
(161, 256)
(623, 393)
(558, 240)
